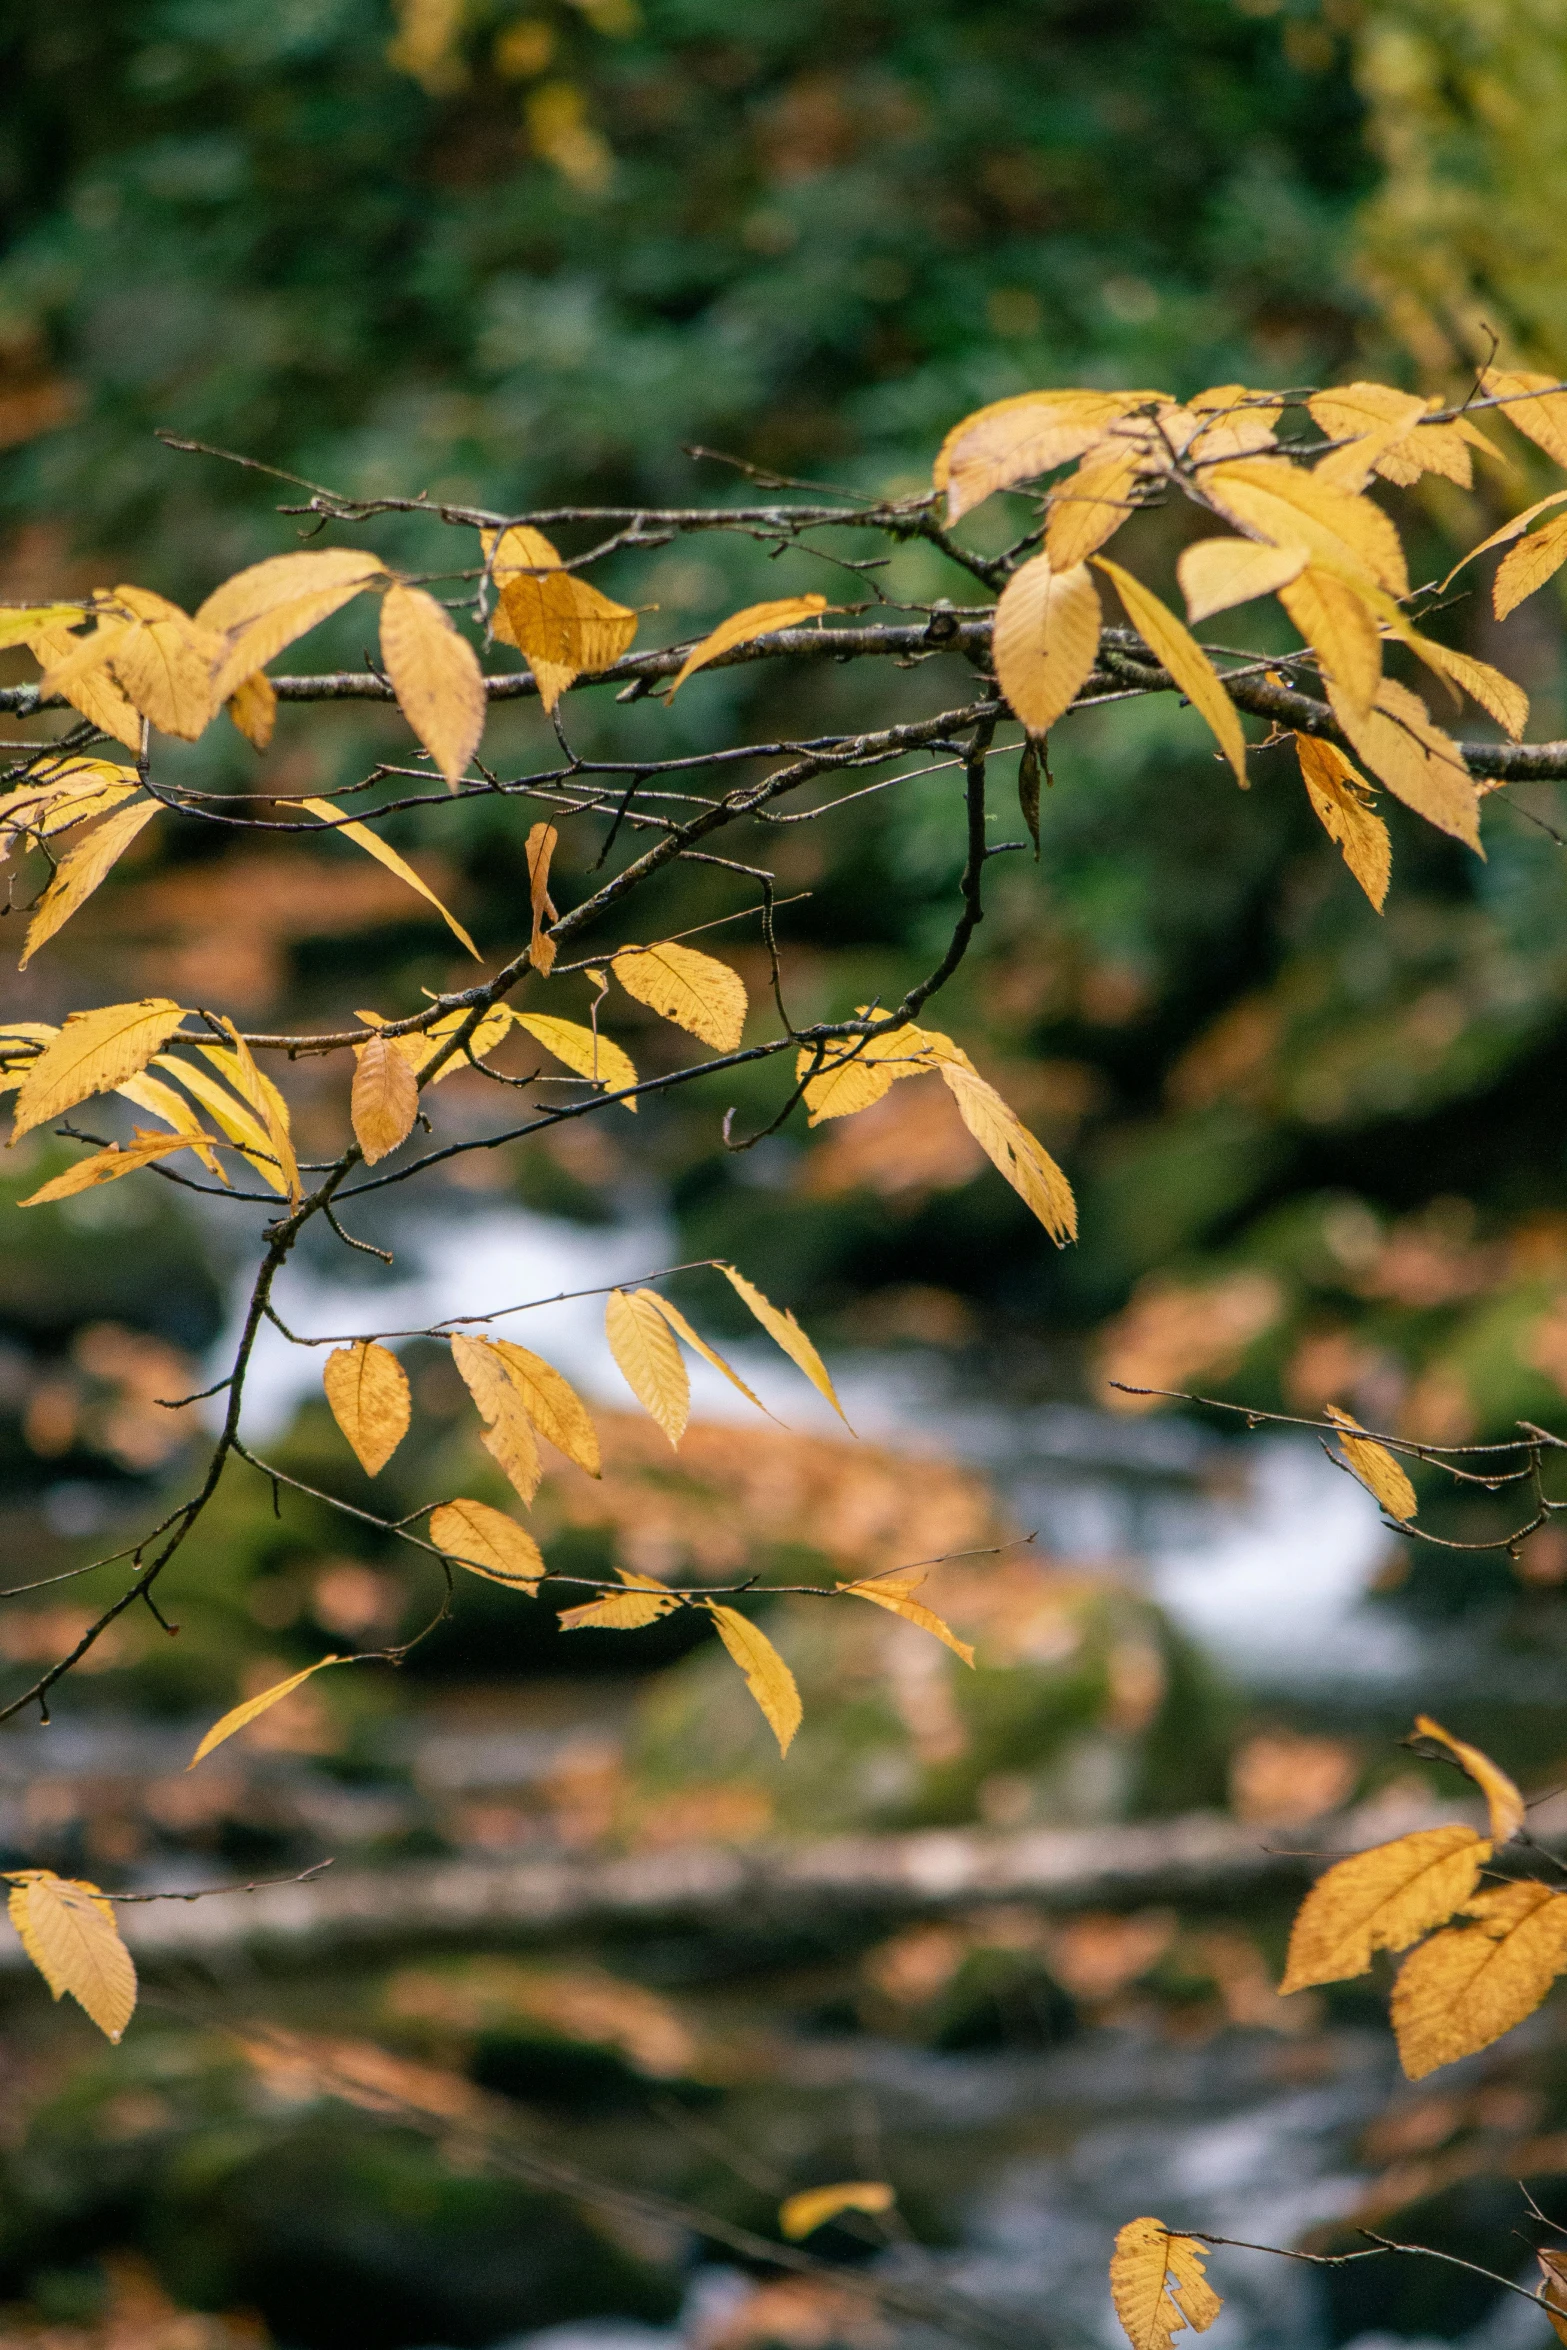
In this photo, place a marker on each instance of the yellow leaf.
(232, 1118)
(541, 845)
(1285, 503)
(1553, 2291)
(94, 1052)
(741, 627)
(1466, 1987)
(1372, 421)
(487, 1543)
(240, 1717)
(1015, 440)
(20, 624)
(367, 1389)
(1046, 639)
(1340, 630)
(1008, 1144)
(517, 549)
(682, 1329)
(422, 1045)
(1159, 2285)
(1375, 1467)
(165, 662)
(895, 1593)
(385, 1099)
(264, 608)
(1242, 422)
(696, 991)
(1503, 1801)
(69, 1932)
(801, 2215)
(72, 793)
(1339, 794)
(766, 1675)
(253, 708)
(1529, 566)
(1217, 574)
(150, 1093)
(1507, 703)
(109, 1165)
(563, 626)
(859, 1070)
(1509, 530)
(373, 846)
(1543, 419)
(508, 1432)
(1180, 653)
(1381, 1900)
(582, 1050)
(648, 1359)
(1423, 447)
(1092, 504)
(1419, 763)
(643, 1602)
(552, 1404)
(81, 870)
(92, 691)
(785, 1331)
(436, 677)
(263, 1097)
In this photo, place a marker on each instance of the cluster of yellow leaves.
(859, 1071)
(1466, 1984)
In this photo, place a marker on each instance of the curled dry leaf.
(641, 1341)
(1382, 1900)
(367, 1389)
(1380, 1474)
(1180, 653)
(109, 1165)
(80, 871)
(896, 1594)
(801, 2215)
(1046, 638)
(785, 1331)
(1340, 796)
(742, 628)
(436, 677)
(540, 849)
(695, 991)
(373, 846)
(385, 1099)
(1503, 1801)
(69, 1932)
(240, 1717)
(94, 1052)
(766, 1675)
(488, 1543)
(583, 1050)
(1466, 1987)
(1159, 2285)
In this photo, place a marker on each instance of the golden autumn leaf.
(164, 662)
(80, 871)
(1178, 650)
(1091, 505)
(1017, 439)
(1159, 2285)
(642, 1343)
(1535, 560)
(1420, 765)
(1217, 574)
(69, 794)
(857, 1071)
(695, 991)
(263, 1097)
(107, 1166)
(641, 1603)
(741, 627)
(1534, 403)
(508, 1432)
(516, 549)
(68, 1930)
(385, 1099)
(420, 1047)
(94, 1052)
(801, 2215)
(373, 846)
(1470, 1984)
(147, 1092)
(1503, 1801)
(896, 1594)
(1341, 630)
(682, 1329)
(1290, 507)
(367, 1389)
(1507, 703)
(766, 1675)
(233, 1119)
(563, 625)
(541, 845)
(1509, 530)
(1340, 796)
(1046, 639)
(91, 690)
(488, 1543)
(253, 708)
(583, 1050)
(552, 1404)
(20, 623)
(1011, 1149)
(785, 1331)
(268, 605)
(1383, 1899)
(240, 1717)
(436, 677)
(1382, 1476)
(1375, 421)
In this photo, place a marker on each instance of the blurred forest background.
(524, 251)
